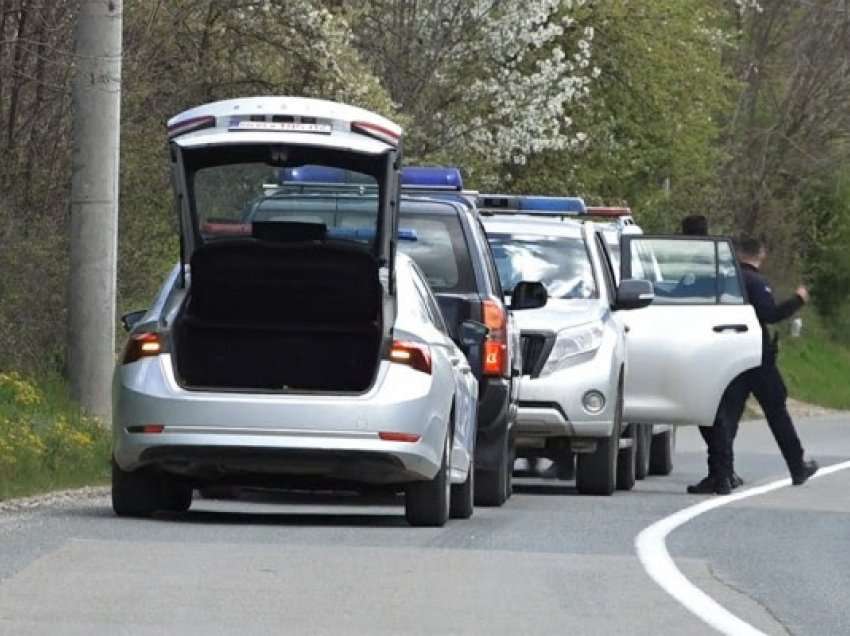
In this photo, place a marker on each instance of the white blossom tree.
(492, 81)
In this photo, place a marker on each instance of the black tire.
(427, 503)
(626, 462)
(596, 472)
(135, 493)
(661, 453)
(643, 441)
(462, 503)
(176, 496)
(493, 487)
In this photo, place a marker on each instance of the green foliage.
(815, 366)
(825, 209)
(652, 120)
(45, 443)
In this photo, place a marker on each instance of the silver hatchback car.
(297, 349)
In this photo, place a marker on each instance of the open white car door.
(697, 336)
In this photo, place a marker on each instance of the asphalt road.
(550, 561)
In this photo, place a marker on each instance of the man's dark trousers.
(766, 384)
(721, 435)
(769, 389)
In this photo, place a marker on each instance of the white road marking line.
(652, 551)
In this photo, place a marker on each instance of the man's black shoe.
(705, 487)
(711, 486)
(722, 486)
(809, 468)
(736, 481)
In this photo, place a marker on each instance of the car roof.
(613, 232)
(514, 223)
(432, 204)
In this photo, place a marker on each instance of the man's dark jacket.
(767, 310)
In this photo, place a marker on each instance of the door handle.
(735, 328)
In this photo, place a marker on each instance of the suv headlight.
(573, 342)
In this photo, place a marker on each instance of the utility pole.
(96, 111)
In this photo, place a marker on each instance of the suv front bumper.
(552, 405)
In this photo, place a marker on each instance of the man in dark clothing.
(695, 225)
(764, 382)
(720, 436)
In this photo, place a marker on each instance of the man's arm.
(767, 310)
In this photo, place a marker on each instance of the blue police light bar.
(312, 174)
(366, 234)
(536, 205)
(322, 175)
(431, 178)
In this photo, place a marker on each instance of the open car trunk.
(266, 316)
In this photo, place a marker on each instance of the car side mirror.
(529, 295)
(472, 334)
(132, 319)
(634, 294)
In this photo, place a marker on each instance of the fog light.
(593, 401)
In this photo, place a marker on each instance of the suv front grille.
(536, 346)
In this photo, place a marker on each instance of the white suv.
(589, 367)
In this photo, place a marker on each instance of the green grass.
(816, 367)
(45, 443)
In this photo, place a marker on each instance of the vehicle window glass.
(229, 198)
(489, 263)
(561, 263)
(614, 253)
(439, 250)
(607, 271)
(730, 284)
(685, 271)
(431, 306)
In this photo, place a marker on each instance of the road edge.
(25, 504)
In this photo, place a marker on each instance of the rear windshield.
(234, 189)
(561, 263)
(440, 250)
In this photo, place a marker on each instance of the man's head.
(751, 250)
(695, 225)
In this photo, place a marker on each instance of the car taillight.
(415, 355)
(496, 344)
(390, 436)
(142, 345)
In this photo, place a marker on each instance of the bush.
(827, 207)
(45, 442)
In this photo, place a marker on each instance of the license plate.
(280, 126)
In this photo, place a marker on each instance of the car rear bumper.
(336, 437)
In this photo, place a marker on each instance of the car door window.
(435, 317)
(731, 290)
(489, 263)
(684, 270)
(607, 270)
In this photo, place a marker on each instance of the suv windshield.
(561, 263)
